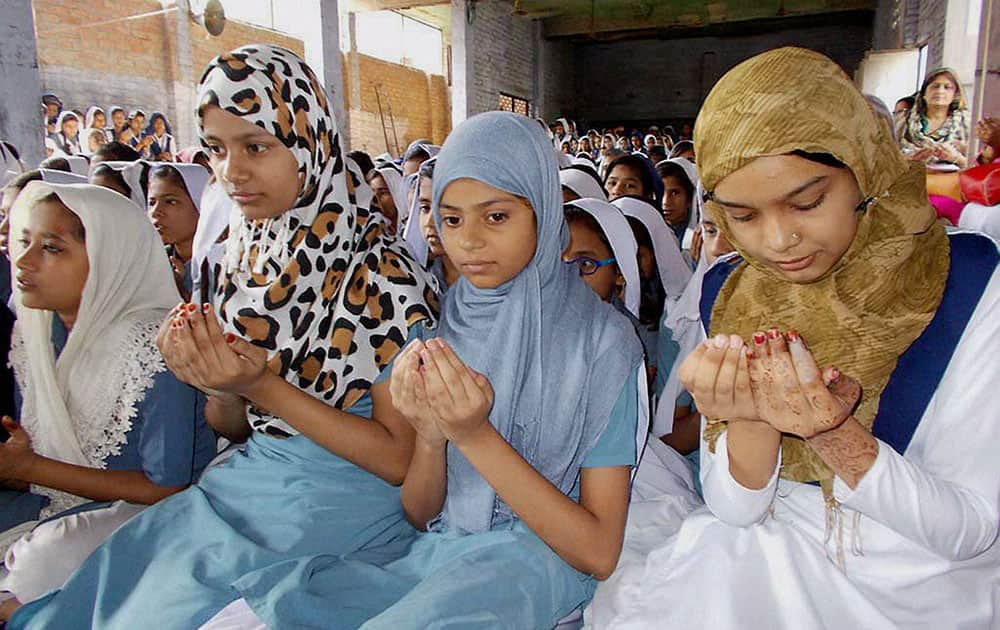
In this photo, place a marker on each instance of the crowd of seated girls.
(72, 133)
(529, 378)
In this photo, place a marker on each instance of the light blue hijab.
(556, 355)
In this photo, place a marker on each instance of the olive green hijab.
(878, 298)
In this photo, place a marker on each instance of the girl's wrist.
(430, 447)
(259, 389)
(26, 471)
(476, 436)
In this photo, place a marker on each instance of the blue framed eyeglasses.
(589, 266)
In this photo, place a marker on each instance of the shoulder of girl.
(622, 337)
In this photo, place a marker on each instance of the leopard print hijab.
(867, 310)
(321, 286)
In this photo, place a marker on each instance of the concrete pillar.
(461, 47)
(185, 81)
(986, 95)
(961, 39)
(322, 47)
(21, 96)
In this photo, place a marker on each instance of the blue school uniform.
(276, 499)
(163, 443)
(504, 577)
(563, 367)
(647, 336)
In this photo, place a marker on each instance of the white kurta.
(919, 531)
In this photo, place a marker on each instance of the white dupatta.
(79, 408)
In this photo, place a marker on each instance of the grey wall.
(20, 83)
(493, 51)
(924, 24)
(644, 80)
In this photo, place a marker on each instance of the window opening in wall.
(395, 37)
(510, 103)
(272, 14)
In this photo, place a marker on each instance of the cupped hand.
(717, 375)
(791, 393)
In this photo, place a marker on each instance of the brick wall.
(555, 90)
(650, 80)
(419, 104)
(136, 63)
(501, 48)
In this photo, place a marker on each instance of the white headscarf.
(694, 214)
(430, 149)
(78, 165)
(394, 180)
(92, 112)
(70, 146)
(50, 144)
(214, 208)
(684, 321)
(195, 178)
(582, 184)
(79, 408)
(563, 159)
(414, 234)
(674, 269)
(133, 174)
(623, 245)
(55, 176)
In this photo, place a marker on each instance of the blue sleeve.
(175, 443)
(616, 446)
(416, 332)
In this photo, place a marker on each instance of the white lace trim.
(103, 416)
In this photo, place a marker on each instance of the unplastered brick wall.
(555, 94)
(134, 63)
(501, 46)
(666, 80)
(414, 102)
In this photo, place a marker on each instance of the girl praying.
(313, 302)
(847, 387)
(524, 402)
(100, 418)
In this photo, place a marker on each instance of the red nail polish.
(793, 335)
(192, 307)
(835, 374)
(204, 308)
(773, 333)
(759, 338)
(230, 337)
